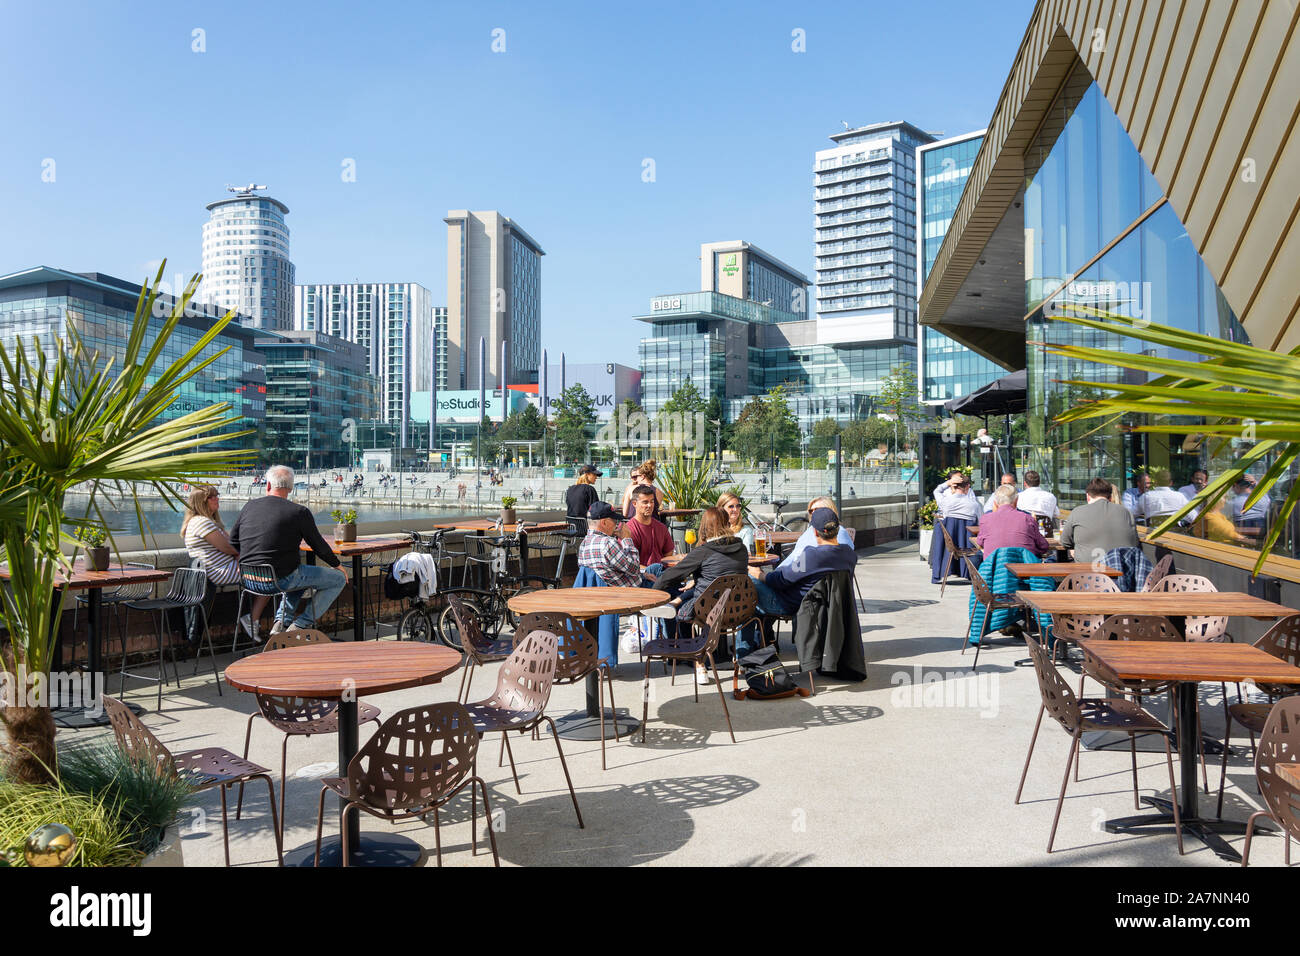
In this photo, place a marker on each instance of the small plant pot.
(97, 559)
(345, 532)
(507, 515)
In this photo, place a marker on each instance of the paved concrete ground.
(871, 773)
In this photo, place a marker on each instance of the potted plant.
(925, 516)
(686, 483)
(345, 525)
(72, 418)
(93, 537)
(508, 509)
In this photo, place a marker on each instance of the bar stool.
(259, 580)
(188, 587)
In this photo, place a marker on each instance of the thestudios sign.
(462, 406)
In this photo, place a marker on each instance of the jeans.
(770, 602)
(327, 583)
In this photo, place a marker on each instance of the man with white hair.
(269, 531)
(1008, 527)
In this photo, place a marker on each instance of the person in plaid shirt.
(608, 548)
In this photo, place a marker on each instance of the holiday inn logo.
(729, 267)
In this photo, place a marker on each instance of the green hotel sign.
(729, 266)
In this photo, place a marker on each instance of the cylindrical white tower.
(246, 263)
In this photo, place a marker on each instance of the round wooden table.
(585, 604)
(345, 672)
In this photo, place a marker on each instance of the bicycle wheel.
(796, 524)
(448, 632)
(416, 626)
(511, 617)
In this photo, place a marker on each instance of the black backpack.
(766, 676)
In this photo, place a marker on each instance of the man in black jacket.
(269, 531)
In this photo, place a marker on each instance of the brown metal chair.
(1073, 628)
(1128, 627)
(201, 769)
(698, 649)
(1162, 568)
(992, 602)
(578, 656)
(1279, 743)
(954, 554)
(477, 647)
(739, 599)
(1282, 640)
(519, 702)
(1079, 715)
(416, 761)
(297, 716)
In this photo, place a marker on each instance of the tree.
(766, 427)
(685, 401)
(70, 418)
(573, 413)
(898, 398)
(862, 435)
(523, 425)
(823, 437)
(713, 413)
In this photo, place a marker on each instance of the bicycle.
(492, 604)
(417, 622)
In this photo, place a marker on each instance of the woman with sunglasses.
(206, 539)
(642, 474)
(809, 536)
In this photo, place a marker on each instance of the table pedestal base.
(383, 849)
(580, 726)
(1205, 830)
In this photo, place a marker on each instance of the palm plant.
(68, 418)
(1239, 390)
(688, 482)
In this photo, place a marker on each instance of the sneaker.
(703, 678)
(278, 628)
(251, 628)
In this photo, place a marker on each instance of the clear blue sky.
(552, 132)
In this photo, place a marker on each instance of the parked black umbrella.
(1005, 396)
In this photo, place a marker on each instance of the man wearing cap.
(581, 496)
(608, 548)
(782, 589)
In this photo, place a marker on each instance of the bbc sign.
(667, 303)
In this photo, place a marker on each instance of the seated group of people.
(1153, 498)
(268, 531)
(630, 553)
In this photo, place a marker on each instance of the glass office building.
(395, 323)
(946, 369)
(315, 382)
(39, 302)
(1100, 233)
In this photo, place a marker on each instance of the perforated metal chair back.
(1159, 572)
(1282, 640)
(1279, 743)
(714, 623)
(983, 593)
(1060, 702)
(415, 759)
(472, 639)
(1127, 627)
(258, 578)
(1088, 581)
(743, 598)
(525, 677)
(577, 652)
(1201, 628)
(297, 638)
(135, 739)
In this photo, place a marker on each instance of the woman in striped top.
(206, 539)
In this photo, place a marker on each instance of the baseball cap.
(823, 518)
(589, 470)
(601, 509)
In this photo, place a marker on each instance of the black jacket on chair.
(827, 633)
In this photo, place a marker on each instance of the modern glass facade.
(947, 370)
(394, 322)
(246, 263)
(314, 382)
(525, 300)
(1099, 233)
(101, 308)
